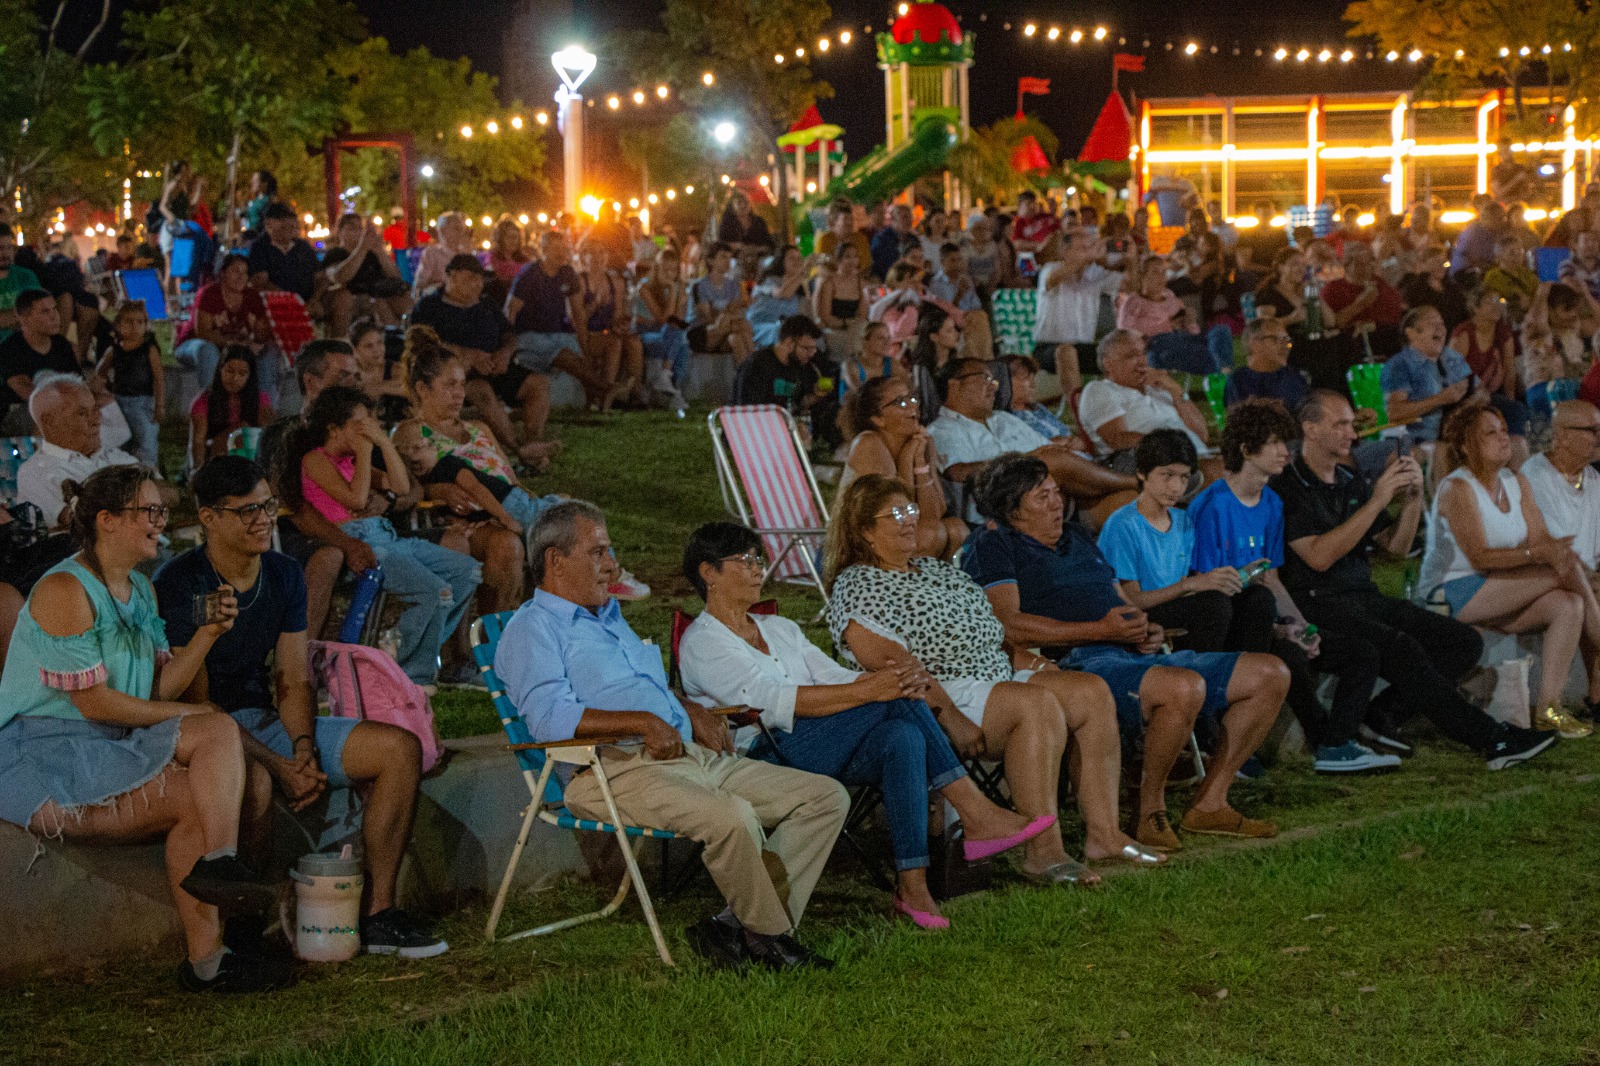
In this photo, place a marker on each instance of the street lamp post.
(724, 133)
(427, 179)
(573, 64)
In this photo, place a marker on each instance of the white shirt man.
(1069, 310)
(64, 409)
(1140, 410)
(965, 440)
(1567, 495)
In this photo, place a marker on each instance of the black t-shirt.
(292, 271)
(480, 326)
(1312, 507)
(759, 378)
(130, 369)
(446, 470)
(544, 298)
(367, 275)
(17, 356)
(236, 665)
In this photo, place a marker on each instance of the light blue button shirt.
(556, 659)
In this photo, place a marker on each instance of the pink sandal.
(922, 919)
(973, 850)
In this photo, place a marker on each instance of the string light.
(1190, 49)
(613, 102)
(1099, 33)
(542, 118)
(708, 79)
(1077, 35)
(844, 38)
(1054, 33)
(638, 96)
(516, 122)
(822, 45)
(1029, 30)
(492, 126)
(661, 92)
(466, 131)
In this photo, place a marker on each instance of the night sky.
(1080, 77)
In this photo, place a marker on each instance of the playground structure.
(925, 57)
(1371, 149)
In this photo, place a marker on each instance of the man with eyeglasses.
(311, 758)
(969, 433)
(1267, 373)
(1567, 496)
(788, 373)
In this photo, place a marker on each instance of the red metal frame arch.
(396, 142)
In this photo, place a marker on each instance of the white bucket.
(327, 890)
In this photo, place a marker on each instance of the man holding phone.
(1334, 518)
(276, 706)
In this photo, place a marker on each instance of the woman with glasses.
(887, 437)
(96, 748)
(870, 728)
(888, 602)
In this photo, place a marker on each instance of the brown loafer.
(1155, 831)
(1226, 823)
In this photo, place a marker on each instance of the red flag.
(1131, 63)
(1033, 86)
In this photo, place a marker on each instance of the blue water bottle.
(355, 620)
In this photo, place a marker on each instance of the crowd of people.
(1074, 595)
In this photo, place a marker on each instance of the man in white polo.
(64, 409)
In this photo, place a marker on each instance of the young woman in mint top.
(95, 746)
(332, 454)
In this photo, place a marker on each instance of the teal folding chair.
(546, 800)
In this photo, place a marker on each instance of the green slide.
(882, 173)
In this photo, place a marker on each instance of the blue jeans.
(436, 583)
(896, 746)
(203, 357)
(143, 421)
(526, 508)
(670, 345)
(1192, 353)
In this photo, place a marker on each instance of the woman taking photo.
(888, 602)
(861, 728)
(234, 401)
(95, 748)
(886, 438)
(1492, 563)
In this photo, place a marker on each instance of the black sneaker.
(394, 932)
(720, 943)
(229, 885)
(784, 952)
(1517, 745)
(239, 974)
(244, 934)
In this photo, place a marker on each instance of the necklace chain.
(255, 592)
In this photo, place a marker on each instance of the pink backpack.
(364, 683)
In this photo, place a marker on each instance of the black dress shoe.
(719, 943)
(784, 952)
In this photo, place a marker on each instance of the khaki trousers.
(767, 829)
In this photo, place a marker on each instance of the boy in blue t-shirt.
(1150, 543)
(1238, 522)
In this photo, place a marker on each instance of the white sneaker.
(628, 587)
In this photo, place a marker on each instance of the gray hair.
(47, 385)
(1108, 343)
(558, 528)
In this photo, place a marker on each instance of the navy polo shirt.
(1071, 582)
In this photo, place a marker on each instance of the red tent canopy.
(1112, 135)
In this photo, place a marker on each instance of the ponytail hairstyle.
(249, 396)
(333, 407)
(924, 352)
(425, 357)
(109, 489)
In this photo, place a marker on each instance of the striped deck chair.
(767, 484)
(291, 325)
(546, 802)
(1015, 311)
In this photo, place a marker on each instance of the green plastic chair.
(1366, 389)
(1015, 312)
(1216, 388)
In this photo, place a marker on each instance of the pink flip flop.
(973, 850)
(922, 919)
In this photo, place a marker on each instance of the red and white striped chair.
(767, 484)
(291, 325)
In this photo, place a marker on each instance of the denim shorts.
(330, 735)
(537, 351)
(1458, 592)
(1123, 669)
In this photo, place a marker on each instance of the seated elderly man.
(1134, 398)
(1567, 496)
(1266, 373)
(68, 416)
(1050, 587)
(574, 669)
(969, 432)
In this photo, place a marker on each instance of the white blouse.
(721, 668)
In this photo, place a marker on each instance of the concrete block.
(77, 903)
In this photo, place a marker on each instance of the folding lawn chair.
(143, 285)
(864, 799)
(767, 484)
(546, 801)
(291, 325)
(1015, 312)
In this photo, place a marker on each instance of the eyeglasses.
(1591, 430)
(251, 513)
(977, 374)
(902, 402)
(902, 513)
(156, 512)
(752, 560)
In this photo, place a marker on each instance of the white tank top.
(1443, 560)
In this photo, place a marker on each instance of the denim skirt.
(76, 763)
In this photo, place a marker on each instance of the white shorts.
(971, 695)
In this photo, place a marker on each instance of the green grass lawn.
(1440, 914)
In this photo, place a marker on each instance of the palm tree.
(982, 162)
